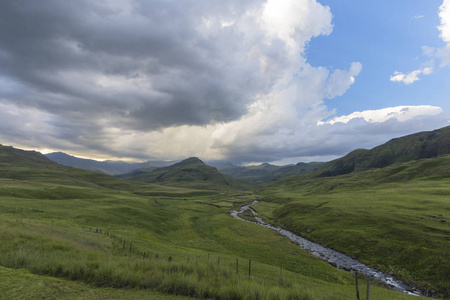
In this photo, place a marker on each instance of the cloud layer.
(167, 80)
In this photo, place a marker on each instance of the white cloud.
(294, 21)
(400, 113)
(170, 80)
(442, 54)
(444, 16)
(410, 77)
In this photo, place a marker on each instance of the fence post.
(281, 272)
(123, 244)
(357, 288)
(237, 265)
(249, 266)
(368, 284)
(131, 245)
(218, 261)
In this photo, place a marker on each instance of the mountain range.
(108, 167)
(403, 149)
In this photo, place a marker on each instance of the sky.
(248, 81)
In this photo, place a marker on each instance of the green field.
(70, 233)
(59, 238)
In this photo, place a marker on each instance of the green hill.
(266, 173)
(33, 166)
(192, 173)
(412, 147)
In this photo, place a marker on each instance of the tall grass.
(48, 251)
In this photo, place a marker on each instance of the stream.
(337, 259)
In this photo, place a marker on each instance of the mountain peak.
(190, 161)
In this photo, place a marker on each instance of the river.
(341, 261)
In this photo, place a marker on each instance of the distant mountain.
(192, 173)
(108, 167)
(266, 173)
(34, 167)
(428, 144)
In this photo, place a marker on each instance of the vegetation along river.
(341, 261)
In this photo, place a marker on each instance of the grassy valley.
(167, 233)
(77, 225)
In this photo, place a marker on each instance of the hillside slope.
(412, 147)
(427, 169)
(191, 172)
(17, 164)
(394, 218)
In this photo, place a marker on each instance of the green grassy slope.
(22, 284)
(412, 147)
(67, 227)
(191, 172)
(34, 167)
(395, 218)
(266, 173)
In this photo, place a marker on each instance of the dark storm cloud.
(141, 65)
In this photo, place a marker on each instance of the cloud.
(410, 77)
(400, 113)
(444, 16)
(168, 80)
(143, 66)
(443, 53)
(153, 64)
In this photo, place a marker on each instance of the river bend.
(341, 261)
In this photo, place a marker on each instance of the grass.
(22, 284)
(380, 217)
(53, 222)
(51, 237)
